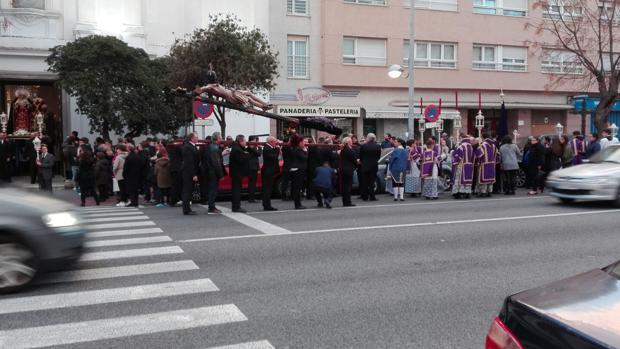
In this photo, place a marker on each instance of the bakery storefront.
(349, 119)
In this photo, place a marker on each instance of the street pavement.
(413, 274)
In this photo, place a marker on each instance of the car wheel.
(17, 265)
(567, 201)
(520, 179)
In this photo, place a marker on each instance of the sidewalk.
(23, 182)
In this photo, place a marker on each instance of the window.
(297, 7)
(560, 62)
(438, 5)
(606, 63)
(36, 4)
(608, 11)
(558, 9)
(513, 8)
(364, 51)
(297, 58)
(366, 2)
(506, 58)
(431, 54)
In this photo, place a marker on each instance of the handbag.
(115, 187)
(196, 197)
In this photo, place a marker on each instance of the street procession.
(309, 174)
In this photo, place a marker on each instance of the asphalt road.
(415, 274)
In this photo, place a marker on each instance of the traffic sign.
(202, 110)
(431, 113)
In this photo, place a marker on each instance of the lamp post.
(614, 130)
(439, 126)
(559, 128)
(4, 120)
(39, 120)
(422, 126)
(515, 134)
(479, 123)
(457, 126)
(36, 142)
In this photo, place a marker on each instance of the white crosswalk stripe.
(112, 295)
(88, 331)
(107, 209)
(115, 272)
(123, 232)
(110, 214)
(116, 219)
(248, 345)
(124, 242)
(140, 252)
(120, 225)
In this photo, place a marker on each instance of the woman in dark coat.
(102, 176)
(86, 176)
(133, 173)
(299, 166)
(535, 165)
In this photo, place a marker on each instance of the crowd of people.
(178, 171)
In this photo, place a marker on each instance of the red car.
(225, 186)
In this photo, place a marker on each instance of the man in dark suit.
(176, 161)
(370, 153)
(348, 164)
(213, 165)
(239, 163)
(6, 158)
(253, 165)
(32, 153)
(133, 174)
(189, 171)
(46, 168)
(271, 168)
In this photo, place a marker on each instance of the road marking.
(110, 295)
(141, 252)
(254, 223)
(116, 272)
(385, 228)
(119, 225)
(110, 233)
(113, 214)
(248, 345)
(457, 202)
(115, 219)
(107, 209)
(124, 242)
(88, 331)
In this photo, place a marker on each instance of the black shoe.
(239, 210)
(395, 199)
(252, 201)
(427, 198)
(270, 209)
(319, 205)
(349, 205)
(214, 211)
(328, 206)
(374, 199)
(300, 207)
(190, 213)
(457, 196)
(467, 196)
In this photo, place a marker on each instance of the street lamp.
(515, 134)
(39, 120)
(457, 126)
(614, 130)
(396, 71)
(479, 123)
(440, 126)
(422, 126)
(559, 128)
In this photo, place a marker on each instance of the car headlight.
(61, 219)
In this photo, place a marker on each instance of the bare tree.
(589, 30)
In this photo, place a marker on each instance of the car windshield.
(609, 154)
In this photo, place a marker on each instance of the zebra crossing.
(123, 246)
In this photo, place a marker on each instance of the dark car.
(582, 311)
(37, 233)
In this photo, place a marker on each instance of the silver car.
(596, 180)
(37, 233)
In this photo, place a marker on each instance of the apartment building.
(468, 48)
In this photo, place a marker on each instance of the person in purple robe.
(463, 168)
(430, 160)
(578, 148)
(415, 153)
(486, 160)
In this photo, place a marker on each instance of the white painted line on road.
(254, 223)
(405, 204)
(119, 225)
(88, 331)
(116, 272)
(386, 228)
(125, 242)
(141, 252)
(110, 295)
(248, 345)
(115, 219)
(111, 233)
(112, 214)
(107, 209)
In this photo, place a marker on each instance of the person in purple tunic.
(578, 148)
(463, 168)
(486, 159)
(415, 153)
(430, 159)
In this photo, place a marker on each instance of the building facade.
(464, 49)
(29, 28)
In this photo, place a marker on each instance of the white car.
(596, 180)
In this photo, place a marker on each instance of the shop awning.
(397, 114)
